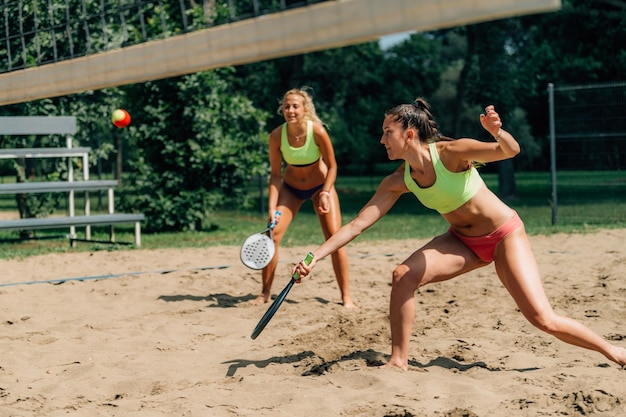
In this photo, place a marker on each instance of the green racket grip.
(307, 260)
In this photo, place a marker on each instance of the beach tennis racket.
(278, 301)
(258, 249)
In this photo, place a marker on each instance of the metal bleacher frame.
(65, 125)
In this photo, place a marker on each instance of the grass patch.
(587, 202)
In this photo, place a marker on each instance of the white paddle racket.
(258, 249)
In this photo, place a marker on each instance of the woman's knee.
(278, 235)
(329, 225)
(402, 277)
(545, 321)
(281, 228)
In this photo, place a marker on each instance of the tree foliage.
(197, 145)
(196, 141)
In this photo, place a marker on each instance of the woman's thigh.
(289, 205)
(441, 259)
(331, 221)
(518, 272)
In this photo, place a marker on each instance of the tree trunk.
(463, 80)
(489, 42)
(507, 189)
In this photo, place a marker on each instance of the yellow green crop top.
(303, 155)
(451, 189)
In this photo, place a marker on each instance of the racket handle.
(277, 214)
(307, 260)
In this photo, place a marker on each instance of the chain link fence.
(588, 153)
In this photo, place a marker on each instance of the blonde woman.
(309, 173)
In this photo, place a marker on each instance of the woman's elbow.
(512, 153)
(358, 226)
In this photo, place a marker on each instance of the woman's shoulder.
(317, 127)
(397, 174)
(277, 131)
(454, 154)
(394, 182)
(320, 131)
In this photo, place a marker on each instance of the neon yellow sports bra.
(451, 189)
(303, 155)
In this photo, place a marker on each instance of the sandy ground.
(167, 333)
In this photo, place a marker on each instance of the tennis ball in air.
(120, 118)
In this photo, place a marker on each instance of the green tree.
(196, 140)
(352, 87)
(581, 43)
(198, 146)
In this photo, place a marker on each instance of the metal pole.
(262, 186)
(262, 179)
(552, 153)
(70, 178)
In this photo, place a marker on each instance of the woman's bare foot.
(348, 303)
(619, 356)
(394, 364)
(261, 299)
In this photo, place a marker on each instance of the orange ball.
(120, 118)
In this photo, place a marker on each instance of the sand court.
(167, 333)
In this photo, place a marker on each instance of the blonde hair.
(309, 106)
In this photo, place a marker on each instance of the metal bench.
(77, 221)
(71, 221)
(61, 125)
(56, 186)
(33, 153)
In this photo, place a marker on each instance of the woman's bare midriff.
(481, 215)
(306, 177)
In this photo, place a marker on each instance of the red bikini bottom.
(485, 246)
